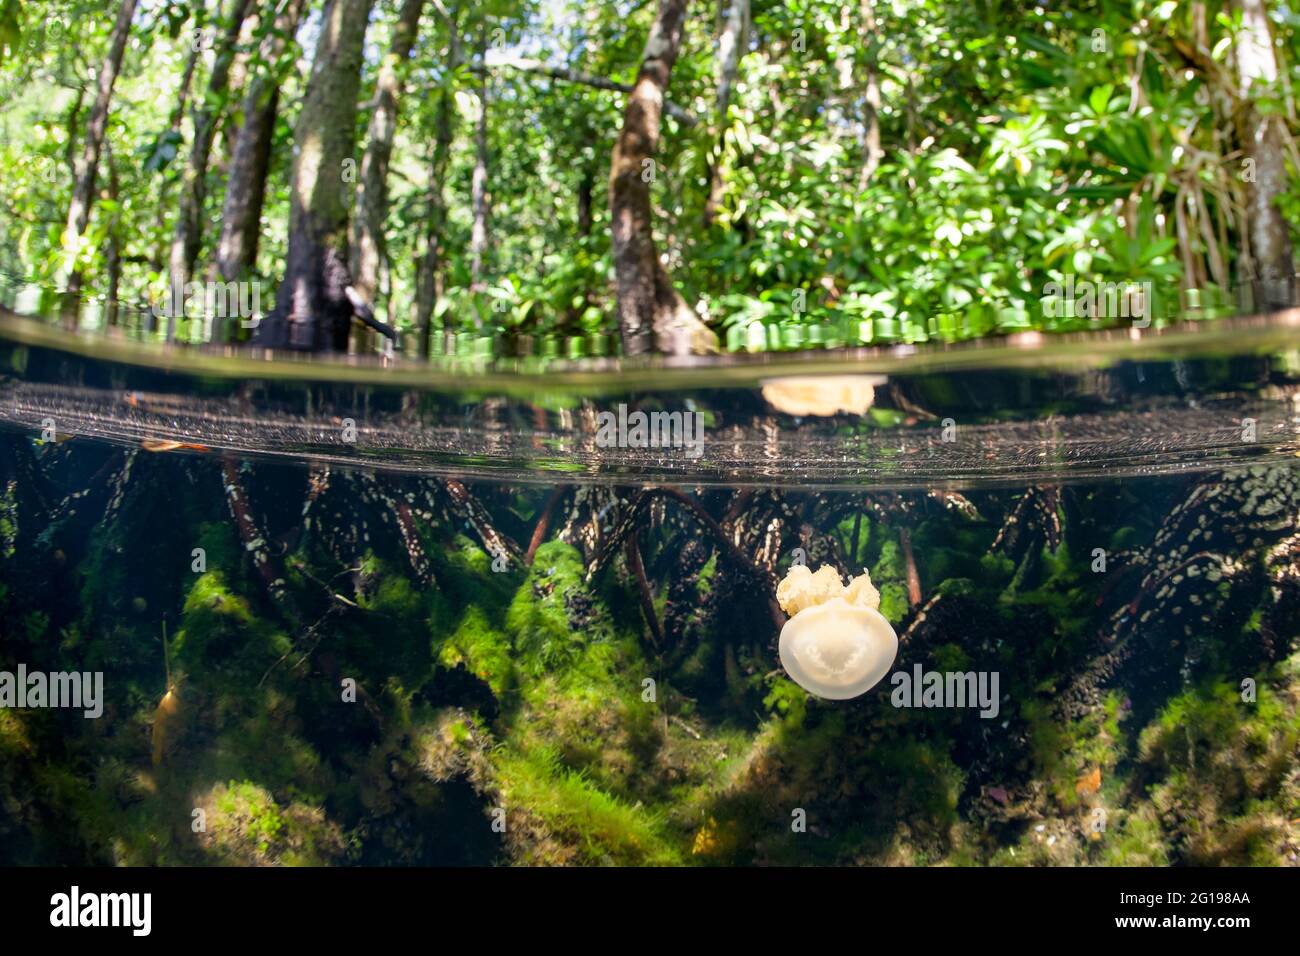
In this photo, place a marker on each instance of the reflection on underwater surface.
(801, 424)
(471, 633)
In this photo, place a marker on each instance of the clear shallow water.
(566, 653)
(1023, 410)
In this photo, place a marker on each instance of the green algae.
(221, 638)
(243, 824)
(482, 650)
(574, 821)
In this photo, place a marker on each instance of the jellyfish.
(836, 645)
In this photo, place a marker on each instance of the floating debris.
(167, 444)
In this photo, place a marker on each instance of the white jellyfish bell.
(837, 644)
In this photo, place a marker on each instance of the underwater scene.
(989, 616)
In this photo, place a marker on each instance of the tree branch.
(683, 116)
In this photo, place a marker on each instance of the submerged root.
(254, 542)
(471, 510)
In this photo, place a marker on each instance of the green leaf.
(1099, 99)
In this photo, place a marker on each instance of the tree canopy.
(763, 174)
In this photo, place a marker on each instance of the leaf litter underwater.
(353, 623)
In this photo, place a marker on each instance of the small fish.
(999, 794)
(167, 444)
(1089, 783)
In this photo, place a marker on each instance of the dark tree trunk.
(83, 191)
(70, 151)
(586, 219)
(368, 246)
(230, 121)
(241, 212)
(187, 77)
(113, 255)
(651, 313)
(174, 127)
(314, 304)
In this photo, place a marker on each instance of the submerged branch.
(635, 564)
(543, 525)
(728, 547)
(630, 521)
(913, 577)
(473, 511)
(253, 540)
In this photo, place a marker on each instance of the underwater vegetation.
(315, 666)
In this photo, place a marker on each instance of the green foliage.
(1022, 145)
(1222, 769)
(787, 700)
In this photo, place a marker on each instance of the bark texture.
(651, 313)
(241, 212)
(313, 308)
(1262, 138)
(871, 151)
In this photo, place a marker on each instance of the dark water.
(454, 625)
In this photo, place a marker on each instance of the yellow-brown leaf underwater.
(166, 724)
(1089, 783)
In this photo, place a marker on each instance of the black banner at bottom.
(335, 906)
